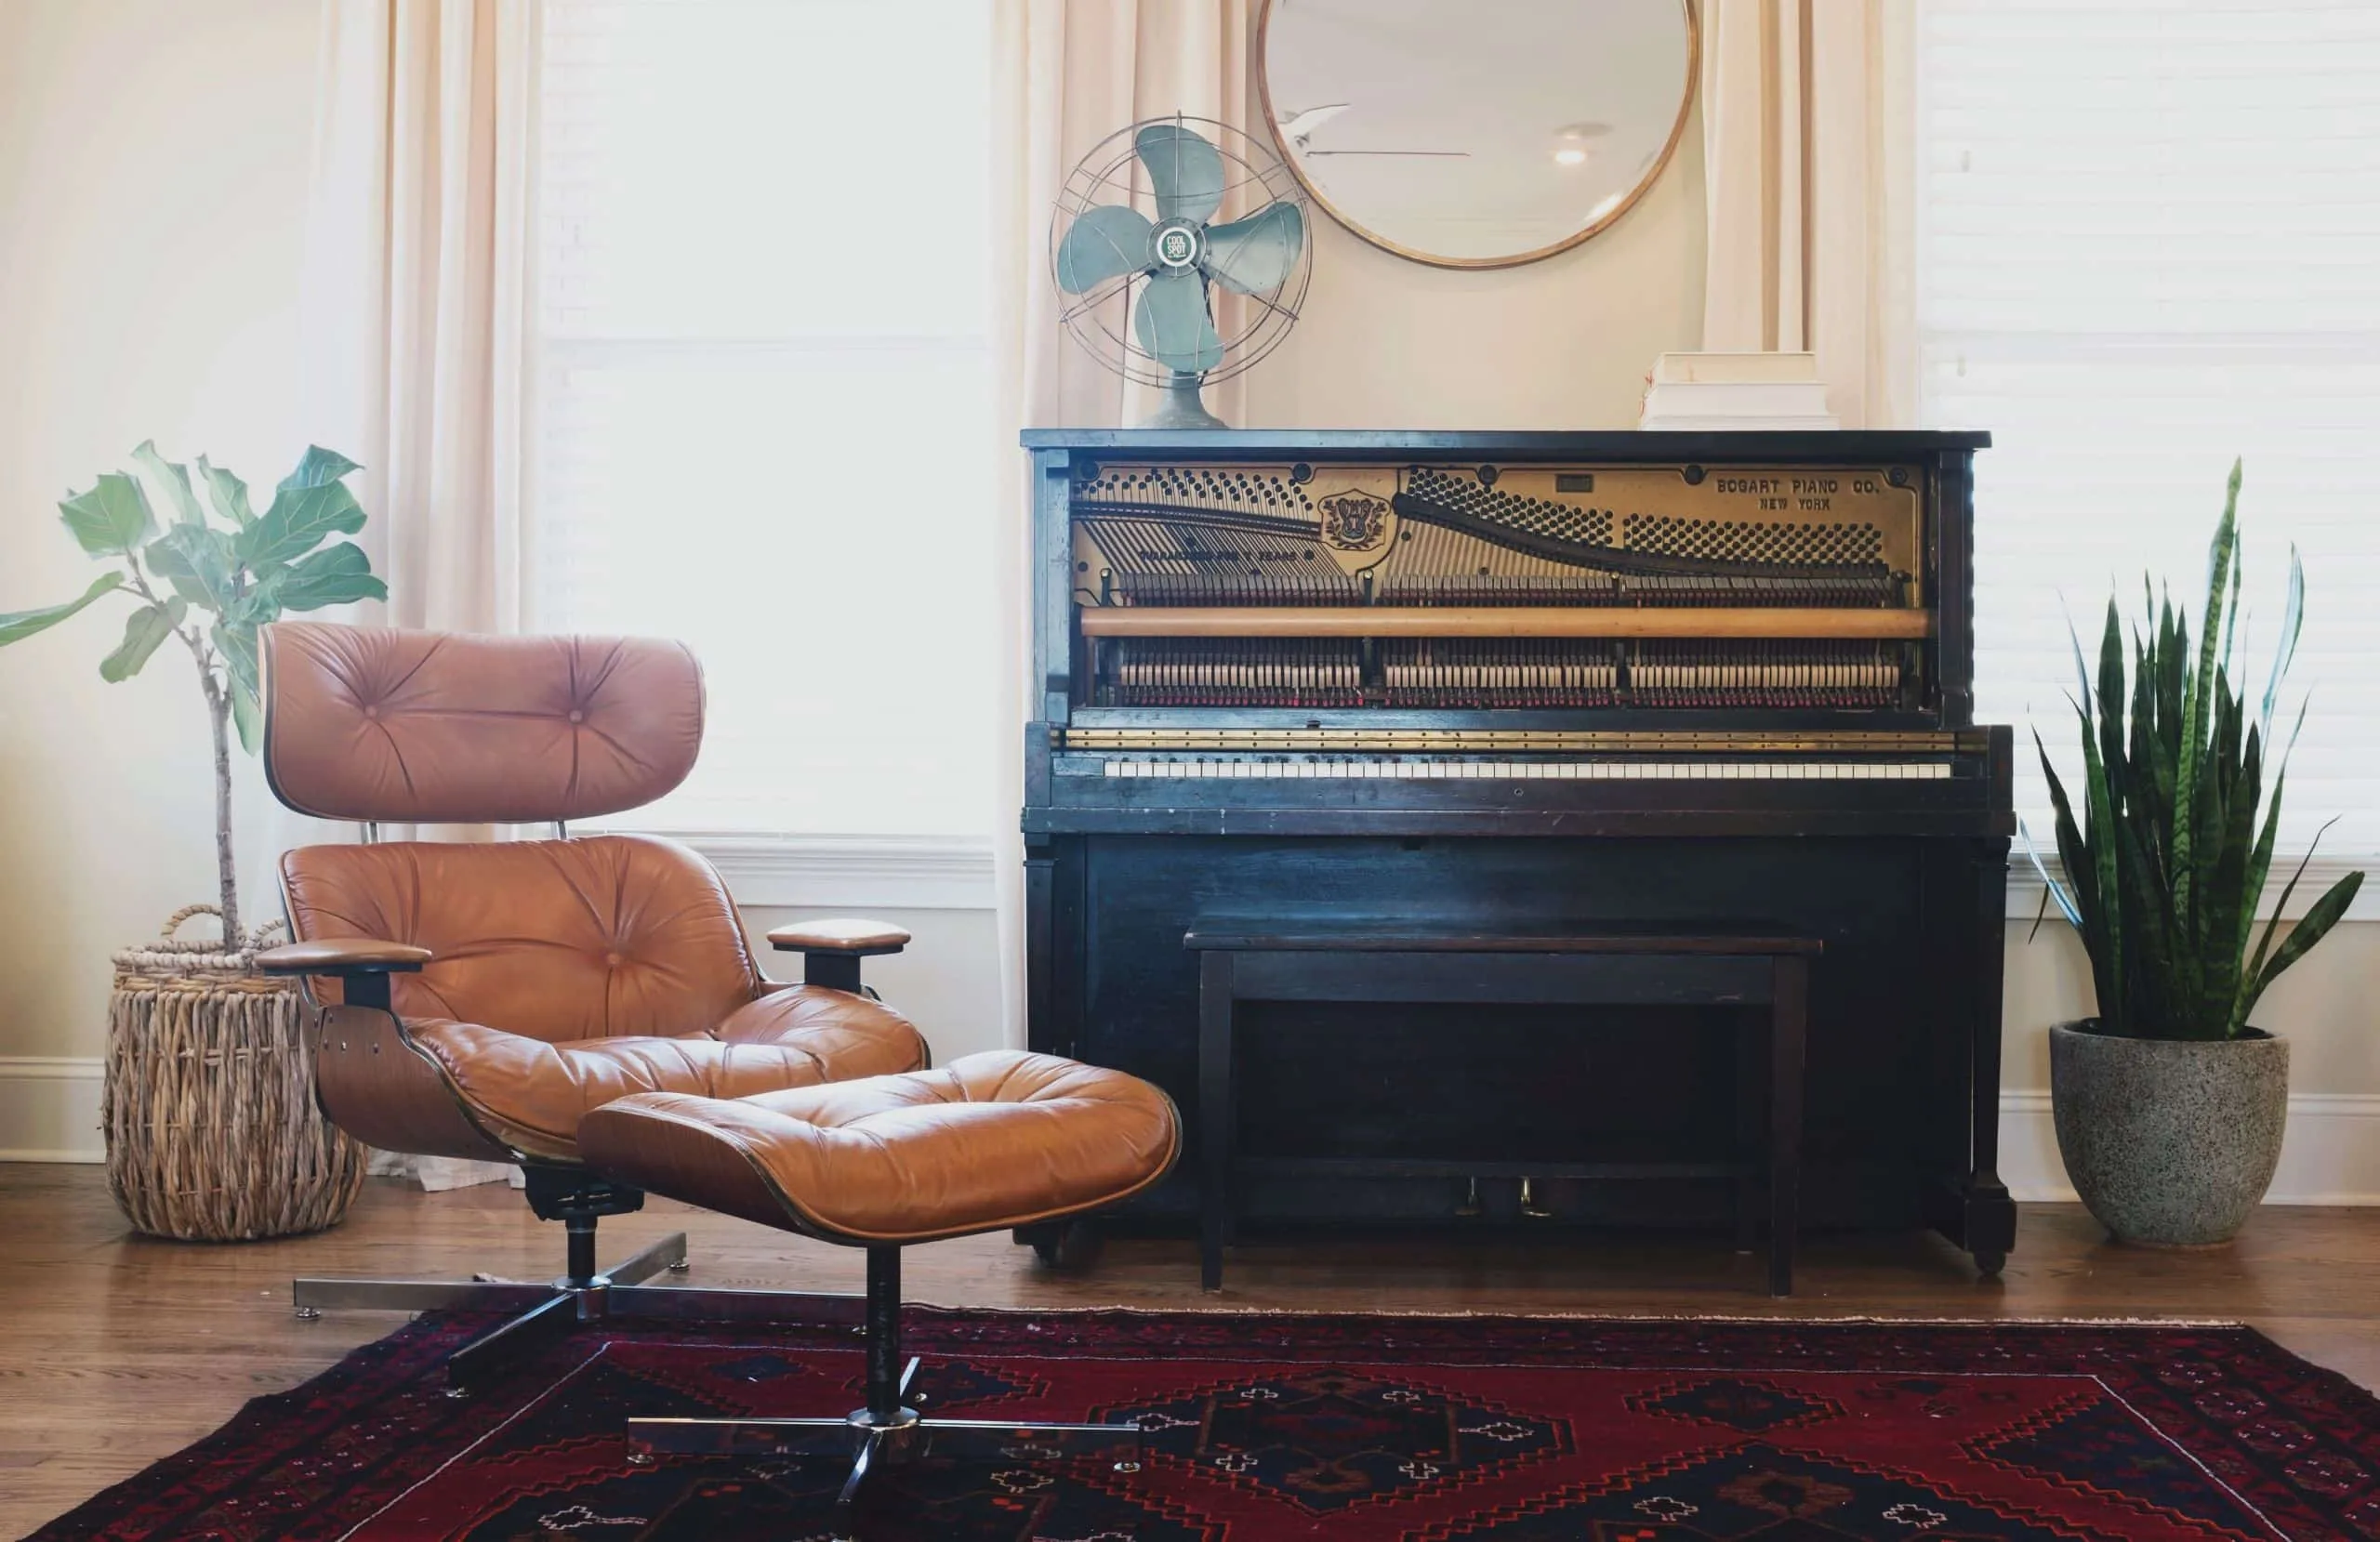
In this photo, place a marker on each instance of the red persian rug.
(1489, 1430)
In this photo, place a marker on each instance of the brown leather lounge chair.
(481, 998)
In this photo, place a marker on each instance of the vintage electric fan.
(1154, 290)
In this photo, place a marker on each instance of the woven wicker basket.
(208, 1106)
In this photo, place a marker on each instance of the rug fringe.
(1752, 1319)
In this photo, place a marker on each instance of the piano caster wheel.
(1529, 1206)
(681, 1266)
(1988, 1265)
(1068, 1247)
(308, 1315)
(1470, 1209)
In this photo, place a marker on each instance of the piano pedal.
(1529, 1206)
(1470, 1209)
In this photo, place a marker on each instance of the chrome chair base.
(889, 1433)
(541, 1314)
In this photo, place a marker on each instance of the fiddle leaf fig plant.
(211, 575)
(2165, 866)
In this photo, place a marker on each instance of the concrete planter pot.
(2170, 1142)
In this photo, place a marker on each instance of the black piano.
(1526, 681)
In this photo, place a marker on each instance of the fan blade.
(1105, 241)
(1258, 252)
(1173, 322)
(1187, 172)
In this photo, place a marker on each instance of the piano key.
(1568, 770)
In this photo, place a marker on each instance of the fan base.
(1179, 407)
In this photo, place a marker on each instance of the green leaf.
(2222, 560)
(198, 561)
(247, 716)
(143, 630)
(335, 575)
(229, 492)
(237, 643)
(300, 519)
(16, 626)
(2312, 927)
(112, 517)
(176, 477)
(317, 468)
(259, 603)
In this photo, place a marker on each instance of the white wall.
(152, 161)
(153, 166)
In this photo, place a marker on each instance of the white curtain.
(1809, 119)
(1067, 74)
(416, 286)
(414, 308)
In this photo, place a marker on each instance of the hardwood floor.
(116, 1350)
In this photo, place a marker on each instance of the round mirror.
(1482, 134)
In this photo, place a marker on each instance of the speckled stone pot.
(2169, 1142)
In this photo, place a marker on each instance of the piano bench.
(1307, 961)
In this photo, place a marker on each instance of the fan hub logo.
(1177, 245)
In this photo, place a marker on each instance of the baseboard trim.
(49, 1111)
(2331, 1155)
(50, 1108)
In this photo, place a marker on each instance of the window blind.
(763, 411)
(2149, 241)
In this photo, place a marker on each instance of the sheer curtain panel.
(2149, 241)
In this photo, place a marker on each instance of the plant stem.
(219, 717)
(227, 877)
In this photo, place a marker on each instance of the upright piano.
(1527, 681)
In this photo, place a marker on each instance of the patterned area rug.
(1365, 1429)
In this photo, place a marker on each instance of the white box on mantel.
(1736, 390)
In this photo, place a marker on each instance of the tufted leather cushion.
(370, 723)
(565, 973)
(590, 938)
(989, 1142)
(532, 1095)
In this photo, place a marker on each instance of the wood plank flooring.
(116, 1350)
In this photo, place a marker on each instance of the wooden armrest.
(832, 947)
(847, 935)
(343, 955)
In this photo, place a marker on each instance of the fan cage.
(1111, 173)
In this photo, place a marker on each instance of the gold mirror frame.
(1652, 175)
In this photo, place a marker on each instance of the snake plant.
(2165, 870)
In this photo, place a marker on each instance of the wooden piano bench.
(1305, 961)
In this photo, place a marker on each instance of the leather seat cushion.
(532, 1095)
(989, 1142)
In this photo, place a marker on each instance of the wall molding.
(49, 1111)
(2025, 885)
(2331, 1154)
(50, 1108)
(852, 872)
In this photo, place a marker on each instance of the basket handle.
(261, 937)
(174, 922)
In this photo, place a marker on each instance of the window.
(2149, 241)
(764, 419)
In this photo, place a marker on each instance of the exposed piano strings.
(1429, 587)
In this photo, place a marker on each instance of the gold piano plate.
(1406, 525)
(1455, 741)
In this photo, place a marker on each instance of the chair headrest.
(374, 723)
